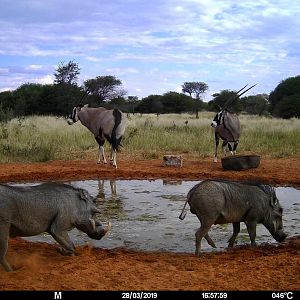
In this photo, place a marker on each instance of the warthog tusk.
(93, 224)
(96, 210)
(107, 228)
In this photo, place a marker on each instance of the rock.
(173, 160)
(240, 162)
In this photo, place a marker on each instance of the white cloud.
(122, 71)
(93, 58)
(219, 42)
(48, 79)
(5, 89)
(4, 71)
(34, 67)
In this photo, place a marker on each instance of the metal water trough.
(240, 162)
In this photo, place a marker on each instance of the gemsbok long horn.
(239, 95)
(230, 100)
(242, 88)
(86, 92)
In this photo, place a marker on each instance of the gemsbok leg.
(224, 144)
(113, 157)
(101, 142)
(217, 138)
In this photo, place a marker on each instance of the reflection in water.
(113, 188)
(110, 205)
(111, 210)
(172, 182)
(144, 216)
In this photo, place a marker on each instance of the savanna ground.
(40, 267)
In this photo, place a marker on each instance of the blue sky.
(152, 46)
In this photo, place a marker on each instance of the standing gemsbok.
(104, 123)
(227, 126)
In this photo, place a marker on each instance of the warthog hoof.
(65, 252)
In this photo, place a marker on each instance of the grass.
(39, 139)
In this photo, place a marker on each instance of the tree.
(104, 88)
(170, 102)
(6, 113)
(177, 103)
(188, 87)
(284, 100)
(67, 73)
(132, 102)
(28, 99)
(7, 100)
(255, 105)
(288, 107)
(196, 88)
(150, 104)
(221, 98)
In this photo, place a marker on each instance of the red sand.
(40, 267)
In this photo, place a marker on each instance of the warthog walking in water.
(50, 207)
(221, 202)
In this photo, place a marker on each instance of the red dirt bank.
(41, 267)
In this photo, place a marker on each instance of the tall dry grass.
(48, 138)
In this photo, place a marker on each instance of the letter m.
(57, 295)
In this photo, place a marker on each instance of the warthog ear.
(274, 201)
(84, 195)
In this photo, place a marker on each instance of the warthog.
(220, 202)
(50, 207)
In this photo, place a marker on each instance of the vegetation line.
(42, 138)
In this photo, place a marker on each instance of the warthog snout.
(100, 232)
(280, 236)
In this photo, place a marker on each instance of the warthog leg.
(236, 230)
(251, 228)
(63, 239)
(210, 241)
(4, 236)
(200, 233)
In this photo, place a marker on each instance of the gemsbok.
(105, 124)
(227, 126)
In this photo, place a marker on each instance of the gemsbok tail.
(118, 130)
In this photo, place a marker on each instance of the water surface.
(144, 215)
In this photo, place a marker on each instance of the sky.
(154, 46)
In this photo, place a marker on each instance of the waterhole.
(144, 216)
